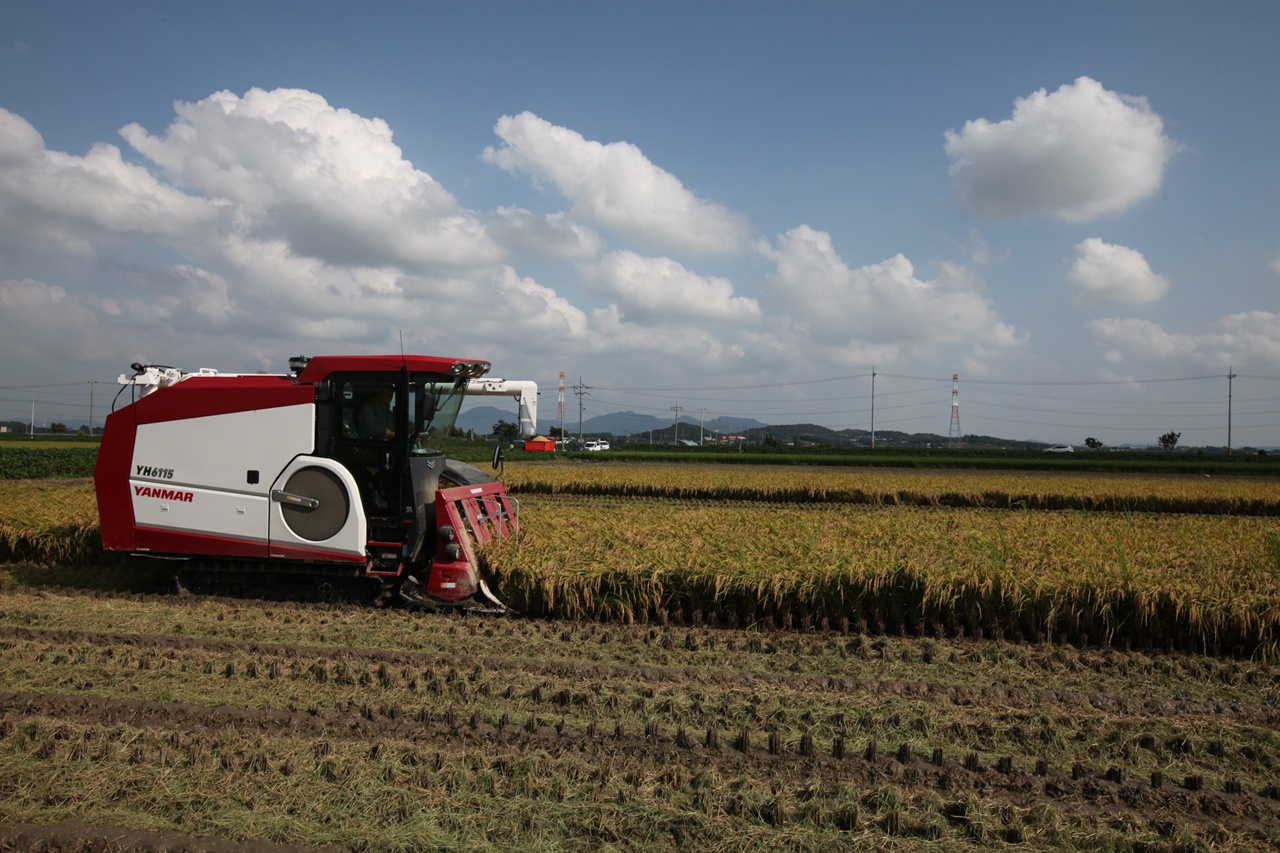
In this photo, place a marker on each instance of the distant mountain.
(643, 427)
(633, 423)
(482, 418)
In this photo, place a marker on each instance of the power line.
(787, 384)
(48, 385)
(968, 382)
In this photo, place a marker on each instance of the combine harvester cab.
(336, 470)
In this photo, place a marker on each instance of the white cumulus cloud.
(1075, 154)
(60, 199)
(331, 183)
(655, 290)
(615, 186)
(46, 327)
(1105, 272)
(686, 343)
(1247, 338)
(267, 219)
(880, 308)
(524, 314)
(556, 237)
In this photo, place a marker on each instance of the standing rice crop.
(903, 487)
(48, 521)
(1181, 579)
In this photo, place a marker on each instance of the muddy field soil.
(193, 723)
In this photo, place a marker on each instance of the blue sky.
(739, 208)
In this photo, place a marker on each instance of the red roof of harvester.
(322, 365)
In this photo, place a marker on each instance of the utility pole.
(1230, 376)
(676, 408)
(873, 407)
(581, 390)
(31, 431)
(702, 414)
(92, 382)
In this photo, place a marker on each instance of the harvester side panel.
(187, 469)
(194, 475)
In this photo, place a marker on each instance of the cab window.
(368, 411)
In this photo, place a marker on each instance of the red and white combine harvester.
(334, 472)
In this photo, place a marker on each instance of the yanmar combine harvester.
(333, 473)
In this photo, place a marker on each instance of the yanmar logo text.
(163, 494)
(148, 471)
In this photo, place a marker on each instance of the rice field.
(721, 669)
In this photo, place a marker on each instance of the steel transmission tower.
(953, 434)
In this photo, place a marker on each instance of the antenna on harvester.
(560, 405)
(953, 434)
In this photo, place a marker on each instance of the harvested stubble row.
(425, 731)
(1188, 581)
